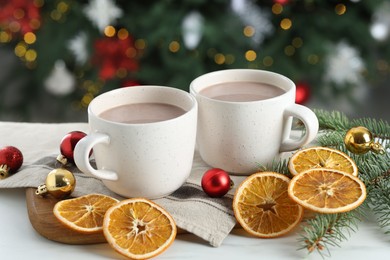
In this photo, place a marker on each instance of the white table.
(18, 240)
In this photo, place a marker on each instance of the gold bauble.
(60, 183)
(359, 140)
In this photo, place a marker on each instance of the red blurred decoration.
(11, 159)
(19, 16)
(68, 143)
(303, 93)
(112, 54)
(216, 182)
(130, 83)
(282, 2)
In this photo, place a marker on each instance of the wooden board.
(40, 213)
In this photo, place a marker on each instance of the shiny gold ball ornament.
(359, 140)
(60, 183)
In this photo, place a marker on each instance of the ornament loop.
(41, 190)
(62, 159)
(4, 171)
(377, 148)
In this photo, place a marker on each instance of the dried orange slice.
(138, 228)
(321, 157)
(327, 191)
(262, 206)
(84, 214)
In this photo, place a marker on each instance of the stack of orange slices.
(325, 180)
(269, 204)
(136, 228)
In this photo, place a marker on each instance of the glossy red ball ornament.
(216, 182)
(68, 143)
(11, 159)
(303, 93)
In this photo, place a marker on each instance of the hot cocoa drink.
(140, 113)
(241, 91)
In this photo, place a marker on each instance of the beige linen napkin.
(209, 218)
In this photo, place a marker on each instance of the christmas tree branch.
(380, 129)
(375, 172)
(333, 120)
(276, 166)
(326, 230)
(323, 230)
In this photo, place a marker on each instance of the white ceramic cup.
(148, 160)
(240, 136)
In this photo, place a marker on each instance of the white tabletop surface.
(19, 240)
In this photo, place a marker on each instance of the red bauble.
(216, 182)
(130, 83)
(112, 54)
(303, 93)
(281, 2)
(11, 159)
(24, 15)
(68, 143)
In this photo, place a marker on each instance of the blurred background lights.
(340, 9)
(123, 34)
(30, 38)
(250, 55)
(140, 44)
(109, 31)
(277, 8)
(286, 24)
(249, 31)
(174, 46)
(268, 61)
(219, 58)
(379, 31)
(297, 42)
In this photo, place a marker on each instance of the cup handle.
(310, 121)
(81, 156)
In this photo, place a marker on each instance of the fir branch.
(334, 120)
(325, 230)
(380, 201)
(276, 166)
(384, 177)
(333, 139)
(338, 121)
(374, 169)
(375, 172)
(379, 128)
